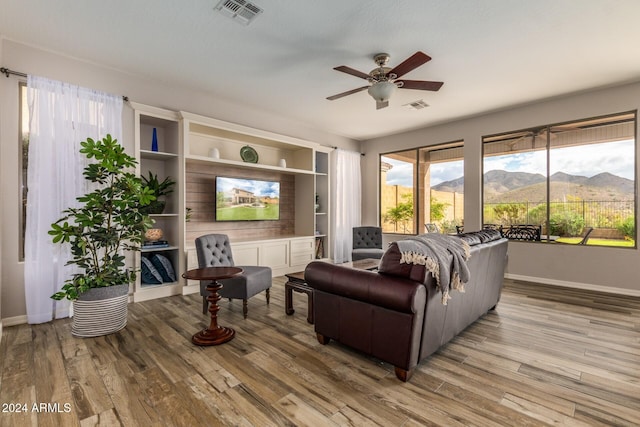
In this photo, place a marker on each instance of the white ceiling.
(491, 54)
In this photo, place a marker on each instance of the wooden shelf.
(236, 163)
(156, 155)
(160, 249)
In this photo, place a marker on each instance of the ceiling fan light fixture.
(382, 91)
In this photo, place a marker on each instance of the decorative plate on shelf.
(249, 154)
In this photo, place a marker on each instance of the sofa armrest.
(370, 287)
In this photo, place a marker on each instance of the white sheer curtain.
(346, 191)
(61, 116)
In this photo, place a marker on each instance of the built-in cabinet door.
(246, 254)
(275, 254)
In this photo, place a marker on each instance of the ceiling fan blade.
(414, 61)
(381, 104)
(349, 92)
(420, 84)
(351, 71)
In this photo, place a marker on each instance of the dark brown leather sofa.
(396, 315)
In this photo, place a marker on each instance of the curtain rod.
(336, 147)
(8, 72)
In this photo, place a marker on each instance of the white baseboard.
(575, 285)
(16, 320)
(191, 289)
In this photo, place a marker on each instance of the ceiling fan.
(384, 79)
(540, 133)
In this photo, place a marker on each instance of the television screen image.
(240, 199)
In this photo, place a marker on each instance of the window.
(23, 164)
(397, 195)
(437, 172)
(574, 181)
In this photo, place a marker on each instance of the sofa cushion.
(358, 254)
(390, 264)
(482, 236)
(471, 238)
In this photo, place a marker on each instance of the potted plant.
(158, 189)
(108, 223)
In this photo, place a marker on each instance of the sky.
(616, 158)
(258, 188)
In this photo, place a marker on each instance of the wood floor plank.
(127, 397)
(51, 382)
(301, 413)
(546, 356)
(89, 393)
(107, 418)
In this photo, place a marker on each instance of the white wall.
(31, 60)
(610, 269)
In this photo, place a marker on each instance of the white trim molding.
(575, 285)
(14, 321)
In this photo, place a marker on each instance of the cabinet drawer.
(302, 246)
(302, 252)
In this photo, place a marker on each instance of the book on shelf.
(319, 248)
(155, 244)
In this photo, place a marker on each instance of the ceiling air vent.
(239, 10)
(416, 105)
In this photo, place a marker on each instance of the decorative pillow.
(390, 264)
(482, 236)
(164, 267)
(489, 235)
(471, 238)
(150, 275)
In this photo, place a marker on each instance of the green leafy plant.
(628, 228)
(402, 213)
(566, 223)
(509, 213)
(158, 189)
(437, 209)
(108, 222)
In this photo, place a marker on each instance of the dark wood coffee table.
(214, 334)
(297, 283)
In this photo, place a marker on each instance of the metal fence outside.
(593, 213)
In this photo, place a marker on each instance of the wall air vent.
(239, 10)
(416, 105)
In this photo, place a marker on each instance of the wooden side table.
(214, 334)
(296, 283)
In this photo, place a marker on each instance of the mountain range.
(504, 186)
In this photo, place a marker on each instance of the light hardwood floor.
(547, 355)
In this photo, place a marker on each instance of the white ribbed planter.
(100, 311)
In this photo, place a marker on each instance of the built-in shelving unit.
(193, 150)
(166, 162)
(322, 204)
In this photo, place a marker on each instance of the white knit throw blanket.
(445, 257)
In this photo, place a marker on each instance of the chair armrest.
(370, 287)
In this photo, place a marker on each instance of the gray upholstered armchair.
(215, 250)
(367, 243)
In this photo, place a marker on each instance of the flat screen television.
(241, 199)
